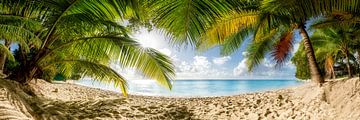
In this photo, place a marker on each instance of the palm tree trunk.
(333, 73)
(3, 57)
(316, 75)
(24, 76)
(28, 69)
(348, 63)
(31, 68)
(358, 58)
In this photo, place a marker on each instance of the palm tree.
(229, 22)
(344, 28)
(233, 21)
(14, 22)
(6, 54)
(326, 60)
(85, 36)
(335, 40)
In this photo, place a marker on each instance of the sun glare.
(147, 43)
(148, 40)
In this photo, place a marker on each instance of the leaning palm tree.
(6, 55)
(86, 36)
(15, 21)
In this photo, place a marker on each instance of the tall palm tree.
(229, 22)
(234, 21)
(86, 36)
(326, 59)
(276, 14)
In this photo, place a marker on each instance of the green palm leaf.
(21, 35)
(5, 50)
(258, 48)
(81, 36)
(186, 20)
(123, 50)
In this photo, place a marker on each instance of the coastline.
(175, 97)
(71, 101)
(204, 88)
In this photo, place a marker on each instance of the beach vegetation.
(270, 24)
(66, 39)
(336, 40)
(77, 37)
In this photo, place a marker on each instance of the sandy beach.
(70, 101)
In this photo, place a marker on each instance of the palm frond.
(326, 37)
(258, 48)
(20, 21)
(21, 35)
(233, 43)
(304, 9)
(337, 19)
(187, 20)
(282, 50)
(5, 50)
(123, 50)
(109, 10)
(228, 26)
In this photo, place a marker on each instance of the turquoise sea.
(197, 88)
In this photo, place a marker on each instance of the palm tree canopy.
(85, 37)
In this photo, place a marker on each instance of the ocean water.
(196, 88)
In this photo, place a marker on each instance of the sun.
(147, 43)
(147, 39)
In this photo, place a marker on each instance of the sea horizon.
(197, 87)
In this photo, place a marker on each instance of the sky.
(191, 64)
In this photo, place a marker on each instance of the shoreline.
(167, 93)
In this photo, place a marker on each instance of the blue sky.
(191, 64)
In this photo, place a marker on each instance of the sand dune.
(336, 100)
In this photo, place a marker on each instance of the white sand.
(336, 100)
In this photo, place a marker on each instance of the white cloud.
(268, 63)
(184, 66)
(188, 66)
(201, 63)
(221, 60)
(241, 69)
(266, 69)
(199, 67)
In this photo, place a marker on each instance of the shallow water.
(196, 88)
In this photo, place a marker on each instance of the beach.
(308, 101)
